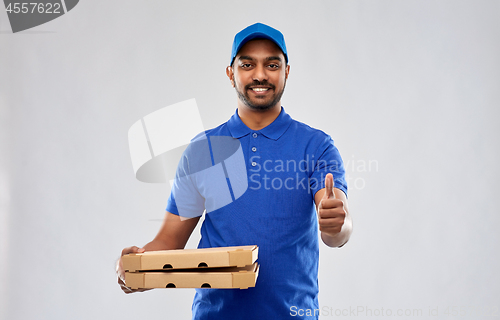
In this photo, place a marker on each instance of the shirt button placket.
(254, 148)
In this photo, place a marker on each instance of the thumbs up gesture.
(331, 211)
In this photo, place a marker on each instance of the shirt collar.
(273, 131)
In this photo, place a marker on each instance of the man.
(292, 169)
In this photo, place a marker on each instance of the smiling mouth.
(260, 89)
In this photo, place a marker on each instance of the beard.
(259, 105)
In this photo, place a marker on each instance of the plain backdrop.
(409, 91)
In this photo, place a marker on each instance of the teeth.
(260, 89)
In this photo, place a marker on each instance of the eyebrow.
(267, 59)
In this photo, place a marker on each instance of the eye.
(246, 65)
(274, 66)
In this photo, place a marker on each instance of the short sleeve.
(328, 160)
(203, 174)
(185, 199)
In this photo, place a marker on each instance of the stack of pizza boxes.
(223, 267)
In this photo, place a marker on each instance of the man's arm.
(173, 234)
(335, 222)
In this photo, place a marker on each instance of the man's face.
(259, 74)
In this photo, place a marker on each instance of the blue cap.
(258, 31)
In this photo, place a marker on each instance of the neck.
(257, 120)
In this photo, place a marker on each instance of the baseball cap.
(258, 31)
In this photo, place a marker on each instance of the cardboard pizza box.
(221, 278)
(191, 258)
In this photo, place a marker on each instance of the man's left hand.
(331, 211)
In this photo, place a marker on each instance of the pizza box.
(191, 258)
(221, 278)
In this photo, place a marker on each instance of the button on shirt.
(286, 164)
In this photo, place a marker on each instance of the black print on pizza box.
(238, 256)
(220, 278)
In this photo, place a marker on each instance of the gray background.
(410, 87)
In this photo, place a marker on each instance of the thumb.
(133, 249)
(329, 187)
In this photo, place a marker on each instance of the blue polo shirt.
(286, 164)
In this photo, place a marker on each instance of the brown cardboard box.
(223, 278)
(191, 258)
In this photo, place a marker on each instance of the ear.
(287, 71)
(230, 74)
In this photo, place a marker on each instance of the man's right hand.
(121, 273)
(173, 234)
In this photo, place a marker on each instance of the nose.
(260, 73)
